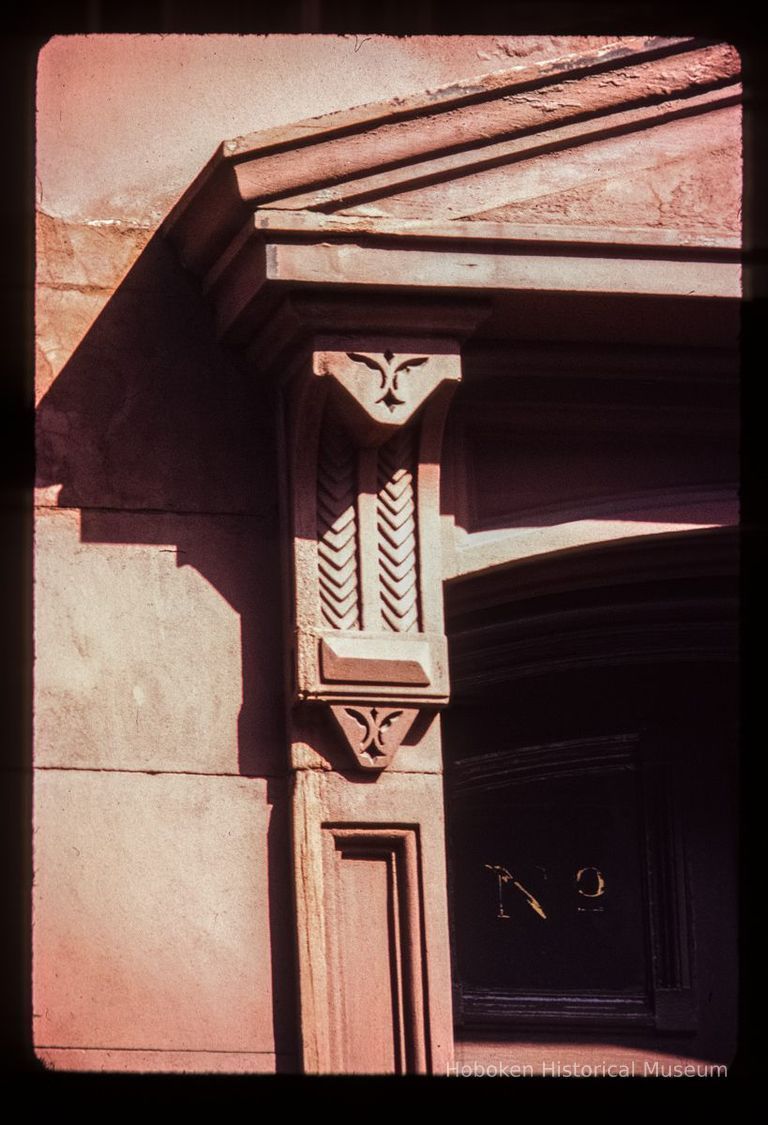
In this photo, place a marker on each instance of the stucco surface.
(126, 122)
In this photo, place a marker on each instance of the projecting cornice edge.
(365, 155)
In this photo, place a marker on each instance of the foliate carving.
(396, 520)
(373, 733)
(337, 537)
(380, 391)
(390, 368)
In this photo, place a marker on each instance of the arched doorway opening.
(591, 772)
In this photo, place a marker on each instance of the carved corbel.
(365, 427)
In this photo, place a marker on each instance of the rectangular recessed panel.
(365, 981)
(374, 952)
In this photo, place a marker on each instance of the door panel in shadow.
(548, 882)
(592, 874)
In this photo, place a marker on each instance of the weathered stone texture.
(94, 1060)
(154, 912)
(96, 254)
(678, 174)
(148, 412)
(154, 650)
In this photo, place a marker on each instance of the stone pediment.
(473, 186)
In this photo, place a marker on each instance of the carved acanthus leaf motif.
(396, 519)
(337, 538)
(373, 733)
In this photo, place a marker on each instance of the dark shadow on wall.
(160, 436)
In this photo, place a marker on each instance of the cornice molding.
(265, 167)
(268, 260)
(262, 194)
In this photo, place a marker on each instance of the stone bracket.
(365, 420)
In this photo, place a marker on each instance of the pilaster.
(363, 417)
